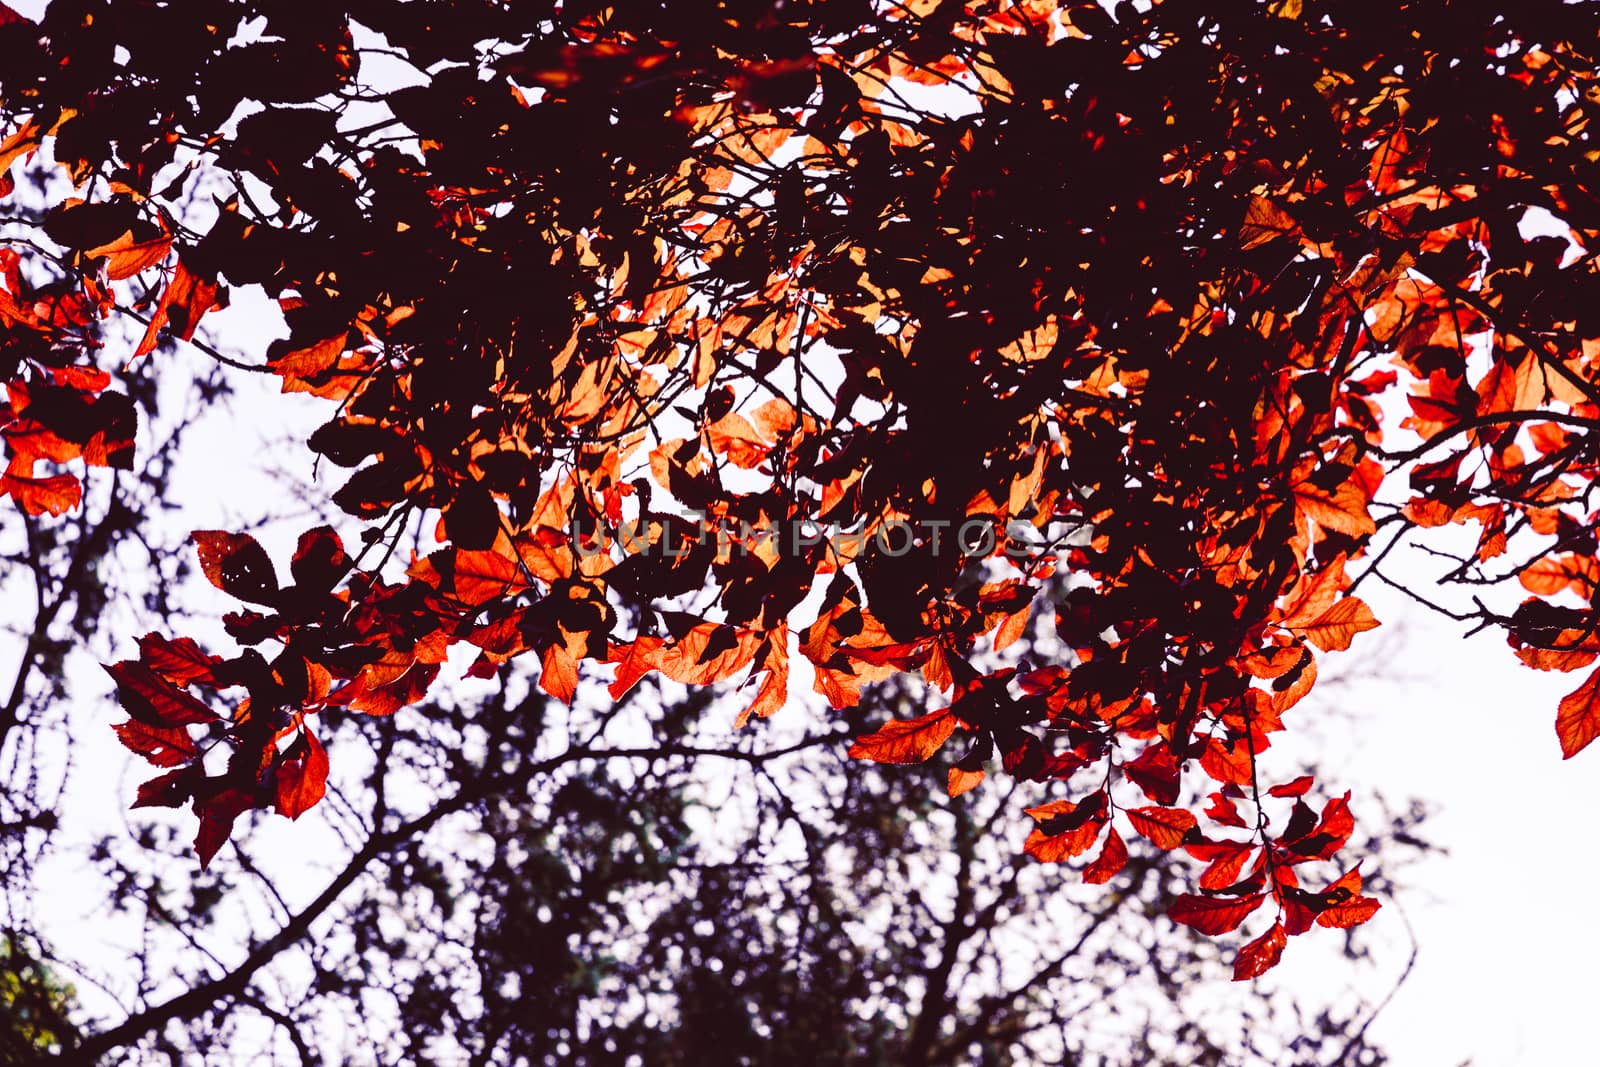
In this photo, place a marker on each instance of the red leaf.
(1297, 788)
(161, 746)
(1113, 857)
(907, 740)
(1352, 912)
(1223, 812)
(1228, 860)
(1065, 828)
(1213, 915)
(319, 559)
(217, 817)
(1260, 955)
(237, 565)
(181, 661)
(1337, 824)
(1578, 720)
(303, 780)
(168, 790)
(1155, 772)
(154, 700)
(1165, 827)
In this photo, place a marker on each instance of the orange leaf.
(1313, 595)
(734, 437)
(1230, 764)
(559, 676)
(302, 781)
(57, 494)
(1055, 848)
(1295, 686)
(1273, 661)
(1264, 222)
(126, 257)
(634, 660)
(547, 554)
(1011, 629)
(184, 300)
(1165, 827)
(961, 781)
(23, 141)
(709, 652)
(1065, 828)
(1513, 388)
(774, 691)
(1343, 511)
(1572, 656)
(482, 575)
(907, 740)
(1547, 577)
(298, 366)
(774, 418)
(1335, 628)
(1260, 955)
(1113, 857)
(1578, 720)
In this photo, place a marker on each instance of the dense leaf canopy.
(721, 338)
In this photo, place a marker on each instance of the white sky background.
(1504, 975)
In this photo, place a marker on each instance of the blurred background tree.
(512, 881)
(35, 1008)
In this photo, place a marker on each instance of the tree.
(34, 1007)
(706, 338)
(517, 881)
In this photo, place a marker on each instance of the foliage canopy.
(711, 339)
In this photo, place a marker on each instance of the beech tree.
(703, 341)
